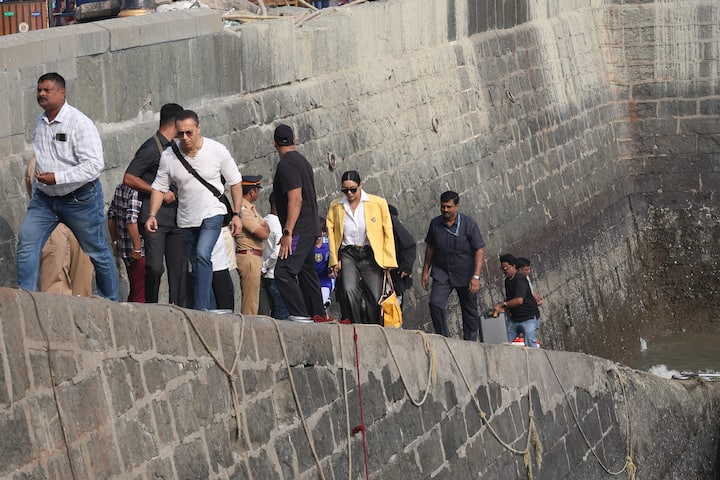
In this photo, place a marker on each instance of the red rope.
(360, 428)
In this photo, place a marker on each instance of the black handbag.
(219, 195)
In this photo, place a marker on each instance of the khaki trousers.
(250, 271)
(64, 267)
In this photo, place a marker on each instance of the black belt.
(358, 248)
(80, 190)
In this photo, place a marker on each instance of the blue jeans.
(528, 327)
(277, 309)
(84, 214)
(199, 244)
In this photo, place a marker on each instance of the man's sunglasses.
(350, 190)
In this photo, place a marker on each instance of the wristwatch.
(238, 214)
(286, 232)
(476, 277)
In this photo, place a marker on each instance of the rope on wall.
(52, 383)
(533, 438)
(230, 374)
(629, 465)
(432, 365)
(296, 397)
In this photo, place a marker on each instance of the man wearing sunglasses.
(200, 213)
(165, 246)
(455, 251)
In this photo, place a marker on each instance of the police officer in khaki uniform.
(249, 246)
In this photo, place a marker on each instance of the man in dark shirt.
(520, 302)
(405, 251)
(455, 251)
(167, 243)
(294, 188)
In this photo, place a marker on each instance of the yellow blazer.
(378, 227)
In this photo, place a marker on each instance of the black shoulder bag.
(219, 195)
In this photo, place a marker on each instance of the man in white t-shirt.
(269, 259)
(200, 213)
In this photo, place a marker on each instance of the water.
(680, 352)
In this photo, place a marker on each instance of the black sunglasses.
(351, 190)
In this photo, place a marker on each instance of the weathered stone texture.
(122, 421)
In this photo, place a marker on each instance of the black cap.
(251, 181)
(284, 135)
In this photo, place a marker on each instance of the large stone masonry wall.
(532, 123)
(666, 61)
(100, 390)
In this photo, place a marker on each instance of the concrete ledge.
(157, 28)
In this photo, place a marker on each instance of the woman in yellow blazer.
(362, 246)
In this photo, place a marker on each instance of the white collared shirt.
(354, 231)
(69, 146)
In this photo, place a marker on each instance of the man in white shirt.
(69, 161)
(270, 254)
(199, 213)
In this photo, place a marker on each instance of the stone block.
(163, 422)
(677, 108)
(136, 437)
(555, 462)
(285, 456)
(16, 448)
(159, 371)
(169, 332)
(63, 364)
(452, 432)
(301, 447)
(204, 335)
(220, 441)
(92, 324)
(373, 399)
(160, 468)
(261, 466)
(430, 452)
(191, 461)
(260, 419)
(85, 402)
(44, 426)
(700, 125)
(102, 456)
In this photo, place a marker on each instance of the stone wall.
(99, 390)
(555, 125)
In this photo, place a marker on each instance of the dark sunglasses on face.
(351, 190)
(189, 133)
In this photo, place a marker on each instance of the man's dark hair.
(508, 258)
(168, 112)
(185, 114)
(450, 195)
(53, 77)
(522, 262)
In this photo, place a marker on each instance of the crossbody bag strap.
(194, 172)
(158, 143)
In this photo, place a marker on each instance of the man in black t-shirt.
(167, 243)
(520, 302)
(294, 188)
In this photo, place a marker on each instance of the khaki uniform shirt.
(251, 221)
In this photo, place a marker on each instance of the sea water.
(680, 353)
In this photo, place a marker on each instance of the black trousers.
(166, 246)
(298, 281)
(361, 284)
